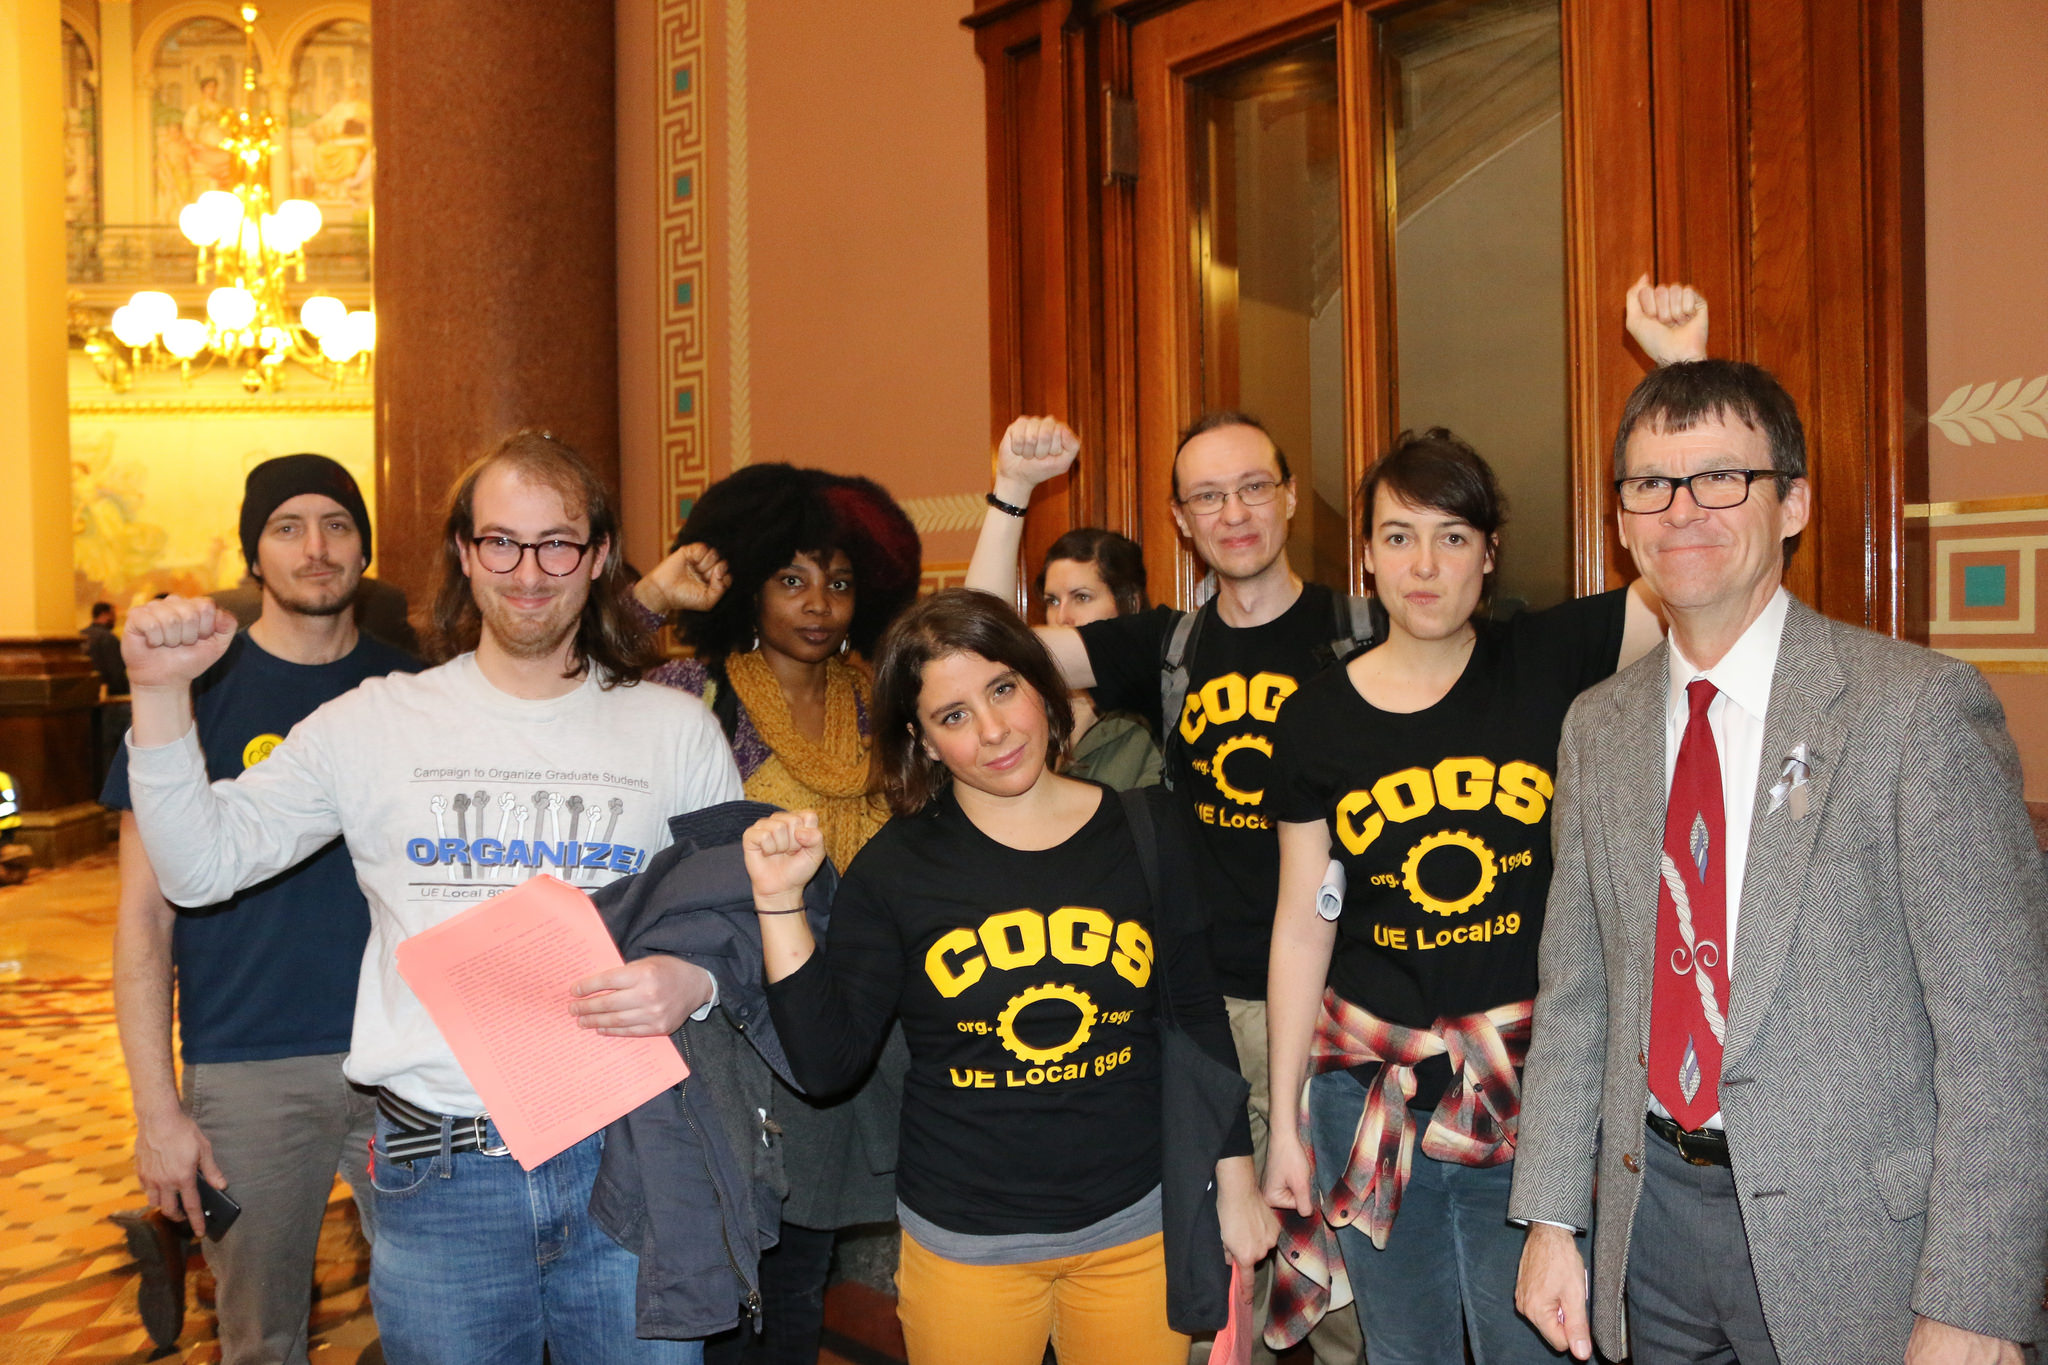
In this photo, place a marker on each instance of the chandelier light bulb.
(302, 217)
(232, 308)
(197, 227)
(361, 330)
(154, 309)
(338, 346)
(185, 338)
(273, 340)
(223, 214)
(131, 328)
(321, 314)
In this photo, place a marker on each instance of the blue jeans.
(478, 1262)
(1450, 1262)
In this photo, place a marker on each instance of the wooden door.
(1767, 149)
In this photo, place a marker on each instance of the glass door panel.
(1473, 97)
(1265, 165)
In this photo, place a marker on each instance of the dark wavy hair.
(609, 634)
(951, 621)
(762, 517)
(1116, 558)
(1435, 469)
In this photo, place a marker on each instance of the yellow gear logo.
(1225, 750)
(258, 749)
(1006, 1022)
(1411, 881)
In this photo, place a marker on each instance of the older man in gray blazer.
(1792, 1005)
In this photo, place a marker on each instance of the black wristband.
(1004, 507)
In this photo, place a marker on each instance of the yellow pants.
(1104, 1308)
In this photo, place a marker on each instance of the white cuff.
(705, 1013)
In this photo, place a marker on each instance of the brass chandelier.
(249, 251)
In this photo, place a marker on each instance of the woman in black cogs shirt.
(1004, 916)
(1413, 791)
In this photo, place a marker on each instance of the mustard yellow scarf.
(830, 775)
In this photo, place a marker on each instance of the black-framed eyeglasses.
(501, 554)
(1713, 490)
(1209, 501)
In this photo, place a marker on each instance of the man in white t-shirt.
(532, 750)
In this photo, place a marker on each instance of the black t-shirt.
(1238, 680)
(270, 972)
(1441, 817)
(1024, 983)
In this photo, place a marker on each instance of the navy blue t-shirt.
(272, 971)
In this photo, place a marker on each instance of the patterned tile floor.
(67, 1283)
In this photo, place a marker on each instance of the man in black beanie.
(266, 982)
(380, 608)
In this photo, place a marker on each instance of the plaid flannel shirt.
(1474, 1125)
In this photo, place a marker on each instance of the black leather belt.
(1707, 1147)
(416, 1132)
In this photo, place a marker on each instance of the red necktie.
(1689, 997)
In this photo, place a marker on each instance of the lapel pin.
(1790, 789)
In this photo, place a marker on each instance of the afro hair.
(763, 516)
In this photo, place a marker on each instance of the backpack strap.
(1173, 683)
(1357, 624)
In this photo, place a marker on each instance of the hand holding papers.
(497, 980)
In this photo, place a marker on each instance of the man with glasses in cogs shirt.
(531, 749)
(1241, 656)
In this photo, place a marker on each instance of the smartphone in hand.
(219, 1210)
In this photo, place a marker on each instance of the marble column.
(47, 690)
(495, 249)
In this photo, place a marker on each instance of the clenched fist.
(1033, 450)
(783, 852)
(693, 578)
(1669, 321)
(171, 641)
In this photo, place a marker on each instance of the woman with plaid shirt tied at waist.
(1402, 973)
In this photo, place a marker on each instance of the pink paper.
(1234, 1343)
(498, 980)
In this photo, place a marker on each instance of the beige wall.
(1987, 290)
(840, 298)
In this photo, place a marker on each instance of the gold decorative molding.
(947, 512)
(936, 576)
(683, 165)
(1985, 413)
(1971, 507)
(219, 407)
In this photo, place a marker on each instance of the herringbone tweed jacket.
(1885, 1083)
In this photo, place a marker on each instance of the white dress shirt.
(1742, 683)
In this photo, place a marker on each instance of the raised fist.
(783, 852)
(692, 578)
(171, 641)
(1669, 321)
(1033, 450)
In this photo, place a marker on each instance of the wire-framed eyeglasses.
(501, 554)
(1208, 502)
(1713, 490)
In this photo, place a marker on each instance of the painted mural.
(197, 78)
(156, 498)
(333, 156)
(81, 132)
